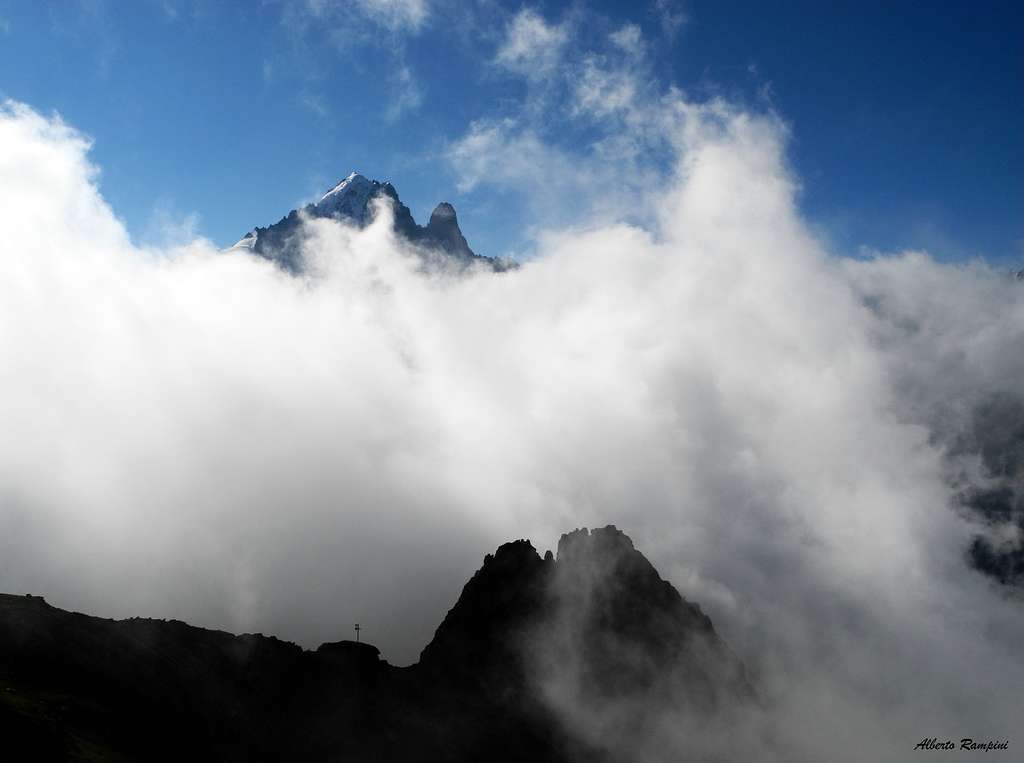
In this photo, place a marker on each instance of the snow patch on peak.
(349, 198)
(353, 182)
(247, 242)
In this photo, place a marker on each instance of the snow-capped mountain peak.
(349, 201)
(350, 198)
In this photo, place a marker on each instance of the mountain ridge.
(70, 682)
(351, 201)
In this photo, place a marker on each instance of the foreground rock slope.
(598, 619)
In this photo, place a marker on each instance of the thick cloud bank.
(787, 435)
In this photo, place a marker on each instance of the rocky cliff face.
(596, 625)
(352, 201)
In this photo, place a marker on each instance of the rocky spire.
(443, 231)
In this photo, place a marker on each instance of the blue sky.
(906, 119)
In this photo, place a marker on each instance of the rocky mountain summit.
(595, 626)
(352, 201)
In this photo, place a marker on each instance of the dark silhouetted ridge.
(79, 687)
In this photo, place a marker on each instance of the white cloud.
(620, 151)
(501, 152)
(531, 47)
(168, 228)
(629, 38)
(202, 436)
(558, 186)
(603, 91)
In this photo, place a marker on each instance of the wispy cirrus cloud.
(504, 152)
(315, 102)
(671, 15)
(344, 28)
(629, 38)
(406, 93)
(592, 117)
(393, 15)
(90, 23)
(407, 15)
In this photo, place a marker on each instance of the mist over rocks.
(597, 604)
(612, 649)
(612, 607)
(482, 689)
(199, 436)
(629, 664)
(992, 493)
(957, 380)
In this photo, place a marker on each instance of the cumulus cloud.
(200, 435)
